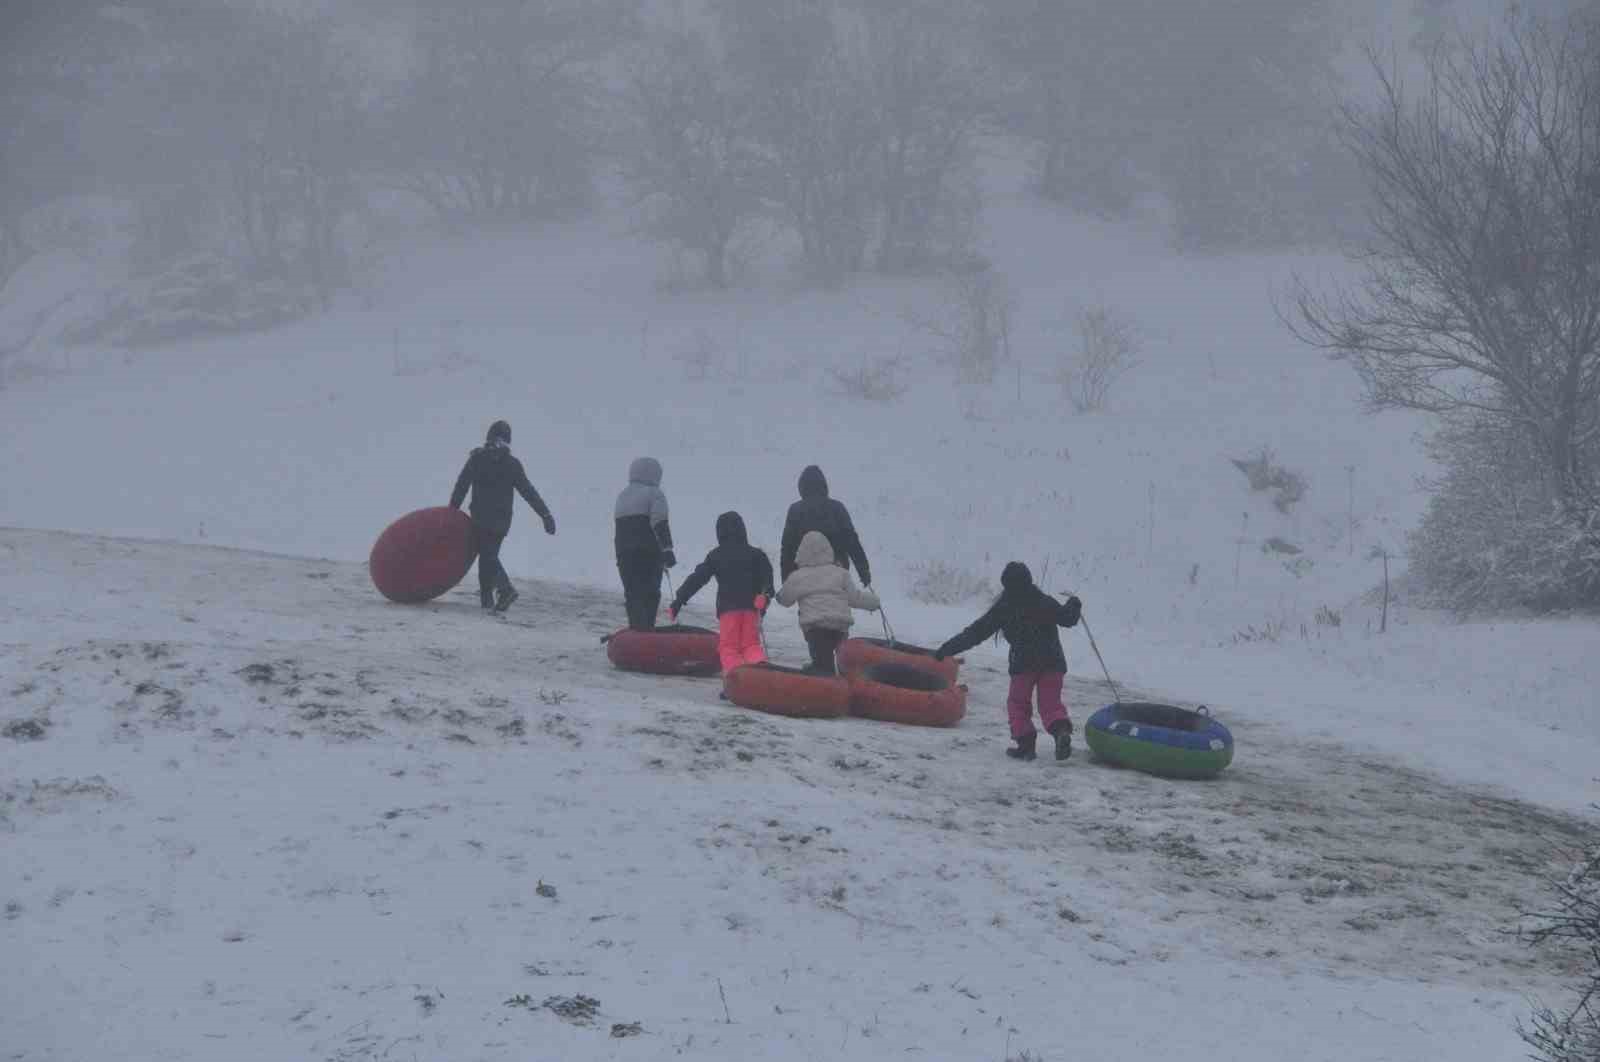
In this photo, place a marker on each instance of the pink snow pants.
(1019, 705)
(739, 639)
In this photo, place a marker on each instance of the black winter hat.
(813, 484)
(499, 430)
(731, 531)
(1016, 576)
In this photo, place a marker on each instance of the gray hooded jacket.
(641, 510)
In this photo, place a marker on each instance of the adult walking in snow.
(816, 511)
(492, 472)
(744, 586)
(825, 593)
(643, 541)
(1030, 620)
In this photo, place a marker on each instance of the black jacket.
(1030, 620)
(815, 511)
(492, 473)
(741, 570)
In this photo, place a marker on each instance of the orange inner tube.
(786, 691)
(665, 651)
(858, 654)
(894, 693)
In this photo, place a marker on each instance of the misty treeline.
(265, 133)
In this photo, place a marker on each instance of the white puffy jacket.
(825, 592)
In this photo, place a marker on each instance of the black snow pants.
(823, 642)
(491, 573)
(641, 586)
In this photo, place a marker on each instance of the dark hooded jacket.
(741, 570)
(1029, 619)
(641, 511)
(815, 511)
(492, 473)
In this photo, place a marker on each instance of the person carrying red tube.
(744, 587)
(1030, 620)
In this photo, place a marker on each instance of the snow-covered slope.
(308, 440)
(248, 810)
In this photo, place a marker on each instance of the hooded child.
(643, 542)
(744, 586)
(492, 473)
(816, 511)
(1030, 620)
(825, 593)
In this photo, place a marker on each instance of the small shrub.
(1108, 347)
(974, 333)
(877, 381)
(1571, 1034)
(1328, 616)
(1265, 474)
(939, 583)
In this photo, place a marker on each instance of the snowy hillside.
(251, 811)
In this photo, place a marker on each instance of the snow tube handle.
(1203, 710)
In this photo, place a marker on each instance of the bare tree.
(923, 71)
(696, 162)
(497, 119)
(1481, 292)
(815, 119)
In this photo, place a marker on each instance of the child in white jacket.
(826, 593)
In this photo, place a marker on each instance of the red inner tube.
(894, 693)
(787, 691)
(858, 654)
(679, 650)
(422, 555)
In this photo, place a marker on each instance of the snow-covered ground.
(251, 811)
(1427, 769)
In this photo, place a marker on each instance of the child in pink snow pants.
(744, 586)
(1030, 620)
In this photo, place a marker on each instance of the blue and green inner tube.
(1160, 739)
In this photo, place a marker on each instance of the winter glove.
(669, 559)
(940, 653)
(673, 610)
(549, 524)
(761, 604)
(1073, 611)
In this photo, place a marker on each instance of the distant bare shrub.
(939, 583)
(879, 380)
(974, 332)
(1108, 347)
(1264, 474)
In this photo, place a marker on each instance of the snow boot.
(1024, 748)
(508, 594)
(486, 598)
(1061, 730)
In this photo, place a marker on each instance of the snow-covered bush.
(938, 583)
(203, 294)
(1572, 1034)
(1494, 534)
(1108, 347)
